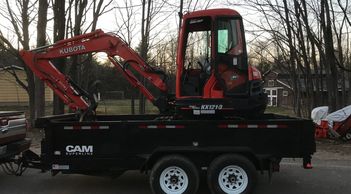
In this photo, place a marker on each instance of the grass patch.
(280, 111)
(105, 107)
(123, 107)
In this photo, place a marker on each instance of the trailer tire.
(231, 174)
(348, 136)
(174, 174)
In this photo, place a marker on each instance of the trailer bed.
(129, 142)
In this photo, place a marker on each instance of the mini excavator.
(213, 77)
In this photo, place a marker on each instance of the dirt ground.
(327, 149)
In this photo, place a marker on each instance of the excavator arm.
(40, 62)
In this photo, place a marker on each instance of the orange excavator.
(213, 76)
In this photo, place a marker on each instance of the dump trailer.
(214, 122)
(174, 152)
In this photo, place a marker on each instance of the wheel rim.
(348, 136)
(233, 179)
(174, 180)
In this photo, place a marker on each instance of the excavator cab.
(213, 75)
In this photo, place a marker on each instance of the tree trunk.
(75, 69)
(145, 27)
(306, 63)
(29, 73)
(332, 77)
(41, 41)
(292, 58)
(59, 34)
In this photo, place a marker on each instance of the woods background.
(307, 39)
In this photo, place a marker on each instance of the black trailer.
(174, 152)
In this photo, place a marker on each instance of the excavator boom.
(40, 62)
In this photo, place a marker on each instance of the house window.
(272, 97)
(270, 83)
(285, 93)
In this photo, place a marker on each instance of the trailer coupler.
(32, 160)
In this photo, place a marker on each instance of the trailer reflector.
(250, 126)
(272, 126)
(86, 127)
(161, 126)
(90, 127)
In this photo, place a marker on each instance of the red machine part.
(254, 73)
(340, 129)
(321, 130)
(211, 89)
(39, 61)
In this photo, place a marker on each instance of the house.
(278, 91)
(11, 92)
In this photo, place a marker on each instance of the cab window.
(228, 32)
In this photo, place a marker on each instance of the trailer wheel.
(231, 174)
(174, 174)
(348, 136)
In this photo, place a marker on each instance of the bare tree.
(332, 75)
(99, 8)
(59, 34)
(144, 44)
(19, 14)
(303, 39)
(126, 27)
(41, 41)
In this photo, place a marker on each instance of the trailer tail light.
(307, 164)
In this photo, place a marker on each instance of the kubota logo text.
(79, 150)
(72, 49)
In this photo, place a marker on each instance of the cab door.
(230, 56)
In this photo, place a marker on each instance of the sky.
(163, 26)
(167, 21)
